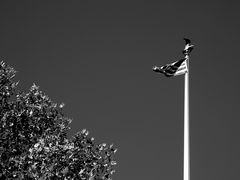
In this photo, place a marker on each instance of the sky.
(97, 58)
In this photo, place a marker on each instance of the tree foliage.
(34, 143)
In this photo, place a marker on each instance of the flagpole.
(175, 69)
(186, 155)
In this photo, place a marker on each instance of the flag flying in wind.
(174, 69)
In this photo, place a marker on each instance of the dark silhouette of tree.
(34, 143)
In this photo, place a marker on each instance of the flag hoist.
(174, 69)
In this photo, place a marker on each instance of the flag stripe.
(182, 69)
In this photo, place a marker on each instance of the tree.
(34, 143)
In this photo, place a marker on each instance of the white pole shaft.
(186, 155)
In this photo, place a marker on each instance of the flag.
(174, 69)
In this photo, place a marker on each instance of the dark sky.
(97, 58)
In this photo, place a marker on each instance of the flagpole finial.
(188, 47)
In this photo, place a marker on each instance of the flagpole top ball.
(188, 47)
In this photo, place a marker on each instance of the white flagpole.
(186, 155)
